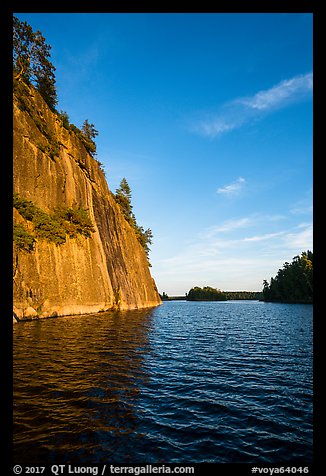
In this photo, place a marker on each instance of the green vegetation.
(32, 66)
(86, 135)
(293, 283)
(75, 221)
(52, 150)
(123, 198)
(22, 238)
(63, 115)
(53, 228)
(243, 295)
(165, 297)
(229, 295)
(205, 294)
(51, 146)
(211, 294)
(31, 61)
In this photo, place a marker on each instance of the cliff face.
(108, 270)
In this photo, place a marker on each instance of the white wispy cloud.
(278, 96)
(303, 206)
(263, 237)
(230, 225)
(301, 238)
(216, 126)
(235, 224)
(240, 111)
(233, 188)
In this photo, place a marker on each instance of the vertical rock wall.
(106, 271)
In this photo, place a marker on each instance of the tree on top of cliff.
(31, 61)
(123, 198)
(88, 135)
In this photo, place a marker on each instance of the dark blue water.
(184, 383)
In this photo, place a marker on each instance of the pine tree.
(88, 135)
(22, 50)
(65, 119)
(89, 130)
(31, 61)
(46, 87)
(123, 198)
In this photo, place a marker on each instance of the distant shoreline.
(184, 298)
(230, 296)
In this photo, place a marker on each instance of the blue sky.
(209, 118)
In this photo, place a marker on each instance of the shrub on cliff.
(22, 238)
(75, 221)
(56, 226)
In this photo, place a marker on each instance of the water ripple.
(186, 382)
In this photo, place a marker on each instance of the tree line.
(293, 283)
(243, 295)
(208, 293)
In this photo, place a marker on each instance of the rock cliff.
(107, 270)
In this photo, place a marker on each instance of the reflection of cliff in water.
(76, 381)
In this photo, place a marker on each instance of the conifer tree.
(89, 130)
(293, 282)
(123, 198)
(31, 61)
(88, 135)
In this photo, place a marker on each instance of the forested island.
(208, 293)
(205, 294)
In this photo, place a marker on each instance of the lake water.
(187, 382)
